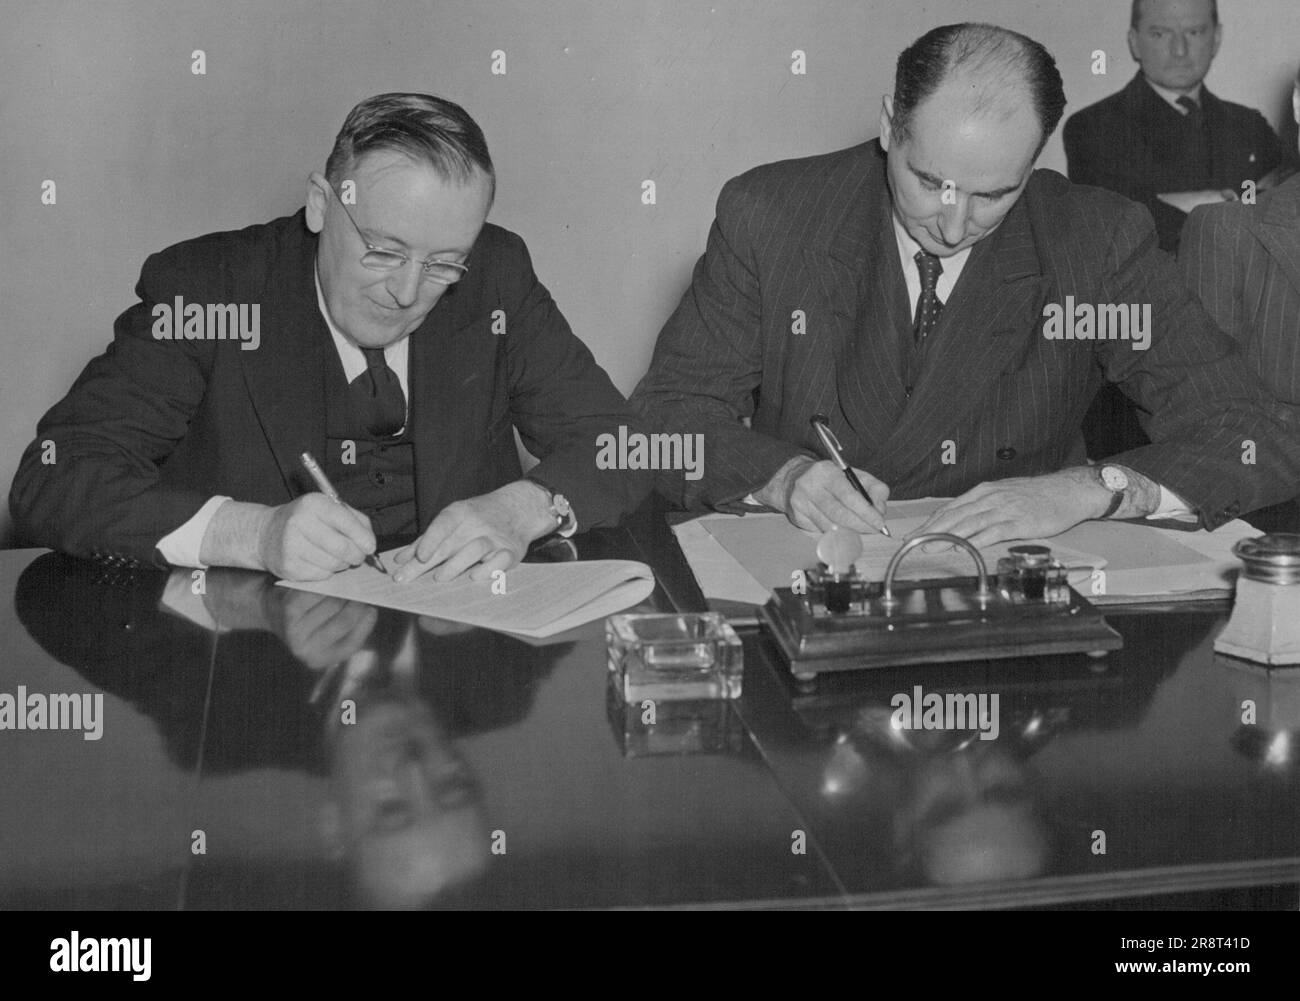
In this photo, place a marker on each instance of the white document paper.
(539, 599)
(742, 558)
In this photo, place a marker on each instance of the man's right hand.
(306, 539)
(816, 495)
(313, 537)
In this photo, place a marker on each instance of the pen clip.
(830, 436)
(823, 429)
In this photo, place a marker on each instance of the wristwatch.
(566, 522)
(1115, 480)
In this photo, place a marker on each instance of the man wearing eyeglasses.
(400, 340)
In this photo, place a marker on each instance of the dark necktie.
(1200, 129)
(928, 306)
(377, 396)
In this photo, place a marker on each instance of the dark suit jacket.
(1123, 144)
(1243, 261)
(153, 428)
(814, 236)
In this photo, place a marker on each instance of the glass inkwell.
(835, 585)
(1029, 575)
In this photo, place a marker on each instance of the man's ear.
(1133, 45)
(315, 203)
(1218, 39)
(886, 121)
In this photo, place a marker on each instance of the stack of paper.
(742, 558)
(534, 599)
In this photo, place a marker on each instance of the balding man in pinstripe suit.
(1243, 261)
(919, 290)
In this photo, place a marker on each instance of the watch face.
(1114, 478)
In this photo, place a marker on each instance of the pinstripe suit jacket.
(1244, 263)
(810, 241)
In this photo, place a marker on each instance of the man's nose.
(952, 220)
(1181, 45)
(404, 285)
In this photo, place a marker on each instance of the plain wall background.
(598, 96)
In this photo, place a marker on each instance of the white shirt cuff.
(181, 547)
(178, 597)
(1172, 506)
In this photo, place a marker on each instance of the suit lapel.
(1279, 230)
(443, 373)
(283, 375)
(1225, 146)
(990, 318)
(1145, 105)
(869, 304)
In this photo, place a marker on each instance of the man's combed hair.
(421, 126)
(1135, 15)
(993, 56)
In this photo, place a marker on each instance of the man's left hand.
(479, 535)
(1027, 507)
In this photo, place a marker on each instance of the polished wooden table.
(476, 770)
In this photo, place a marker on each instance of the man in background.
(1243, 261)
(1167, 142)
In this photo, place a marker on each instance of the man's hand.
(482, 534)
(319, 630)
(306, 539)
(313, 537)
(1036, 507)
(816, 495)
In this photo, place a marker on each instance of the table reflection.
(369, 701)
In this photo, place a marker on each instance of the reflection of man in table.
(308, 683)
(387, 330)
(1243, 261)
(905, 288)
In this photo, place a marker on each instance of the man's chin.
(942, 250)
(372, 335)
